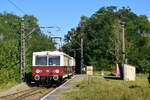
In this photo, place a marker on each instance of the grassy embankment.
(108, 89)
(7, 86)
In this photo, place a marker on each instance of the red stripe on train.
(51, 70)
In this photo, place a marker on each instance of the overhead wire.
(17, 7)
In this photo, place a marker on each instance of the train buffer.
(58, 92)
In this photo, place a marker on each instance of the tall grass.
(102, 89)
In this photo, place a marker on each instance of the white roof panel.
(49, 53)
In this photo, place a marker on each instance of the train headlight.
(38, 71)
(55, 77)
(57, 71)
(37, 77)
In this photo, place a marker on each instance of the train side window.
(54, 60)
(41, 60)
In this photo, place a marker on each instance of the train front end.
(48, 67)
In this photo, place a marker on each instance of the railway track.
(15, 94)
(28, 94)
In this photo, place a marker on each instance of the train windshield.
(41, 60)
(54, 60)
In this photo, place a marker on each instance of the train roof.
(50, 53)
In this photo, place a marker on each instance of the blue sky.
(66, 13)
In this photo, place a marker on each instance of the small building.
(129, 72)
(89, 70)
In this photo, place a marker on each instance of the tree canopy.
(102, 34)
(10, 45)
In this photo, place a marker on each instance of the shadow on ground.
(113, 77)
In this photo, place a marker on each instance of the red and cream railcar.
(51, 66)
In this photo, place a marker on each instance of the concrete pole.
(123, 44)
(23, 64)
(82, 60)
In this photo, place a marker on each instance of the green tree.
(10, 45)
(102, 34)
